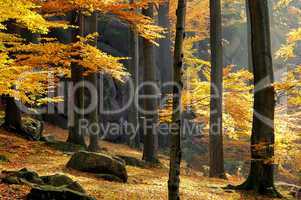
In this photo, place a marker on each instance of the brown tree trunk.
(261, 177)
(216, 157)
(175, 149)
(76, 133)
(133, 116)
(150, 105)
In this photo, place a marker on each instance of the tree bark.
(76, 133)
(216, 157)
(133, 116)
(261, 177)
(150, 105)
(175, 149)
(12, 119)
(164, 50)
(249, 36)
(93, 116)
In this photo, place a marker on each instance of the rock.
(98, 163)
(18, 177)
(33, 128)
(132, 161)
(56, 193)
(47, 138)
(3, 158)
(109, 177)
(59, 180)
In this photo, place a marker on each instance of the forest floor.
(143, 183)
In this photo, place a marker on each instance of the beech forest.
(150, 99)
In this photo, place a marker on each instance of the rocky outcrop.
(54, 187)
(98, 163)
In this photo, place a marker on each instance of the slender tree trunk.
(261, 177)
(175, 149)
(249, 36)
(93, 115)
(216, 158)
(150, 105)
(133, 116)
(164, 50)
(76, 133)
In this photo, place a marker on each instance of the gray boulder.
(98, 163)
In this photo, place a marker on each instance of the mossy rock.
(24, 175)
(98, 163)
(56, 193)
(59, 180)
(132, 161)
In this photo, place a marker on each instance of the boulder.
(56, 193)
(109, 177)
(132, 161)
(18, 177)
(98, 163)
(54, 187)
(59, 180)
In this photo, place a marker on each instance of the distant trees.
(261, 176)
(175, 149)
(216, 156)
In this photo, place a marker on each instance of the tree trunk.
(249, 36)
(76, 133)
(93, 115)
(216, 157)
(133, 116)
(261, 177)
(175, 149)
(150, 105)
(164, 50)
(12, 119)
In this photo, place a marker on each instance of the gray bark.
(216, 153)
(133, 116)
(164, 50)
(150, 105)
(93, 116)
(76, 134)
(261, 177)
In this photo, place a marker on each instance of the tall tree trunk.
(216, 157)
(150, 105)
(175, 149)
(133, 116)
(164, 50)
(76, 133)
(261, 177)
(92, 78)
(249, 36)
